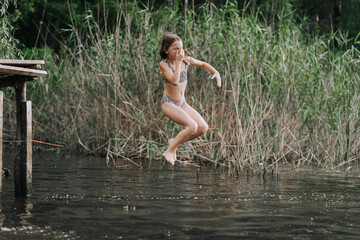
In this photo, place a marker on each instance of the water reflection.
(22, 212)
(83, 198)
(2, 216)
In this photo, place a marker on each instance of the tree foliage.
(7, 42)
(44, 22)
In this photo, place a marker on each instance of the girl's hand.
(180, 55)
(218, 78)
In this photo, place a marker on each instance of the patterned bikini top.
(183, 75)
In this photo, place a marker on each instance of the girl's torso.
(176, 92)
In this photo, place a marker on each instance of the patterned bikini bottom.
(180, 103)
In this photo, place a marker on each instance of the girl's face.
(174, 49)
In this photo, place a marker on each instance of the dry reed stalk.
(274, 106)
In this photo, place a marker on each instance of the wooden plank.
(21, 71)
(16, 62)
(35, 64)
(32, 66)
(1, 135)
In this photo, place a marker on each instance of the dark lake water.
(83, 198)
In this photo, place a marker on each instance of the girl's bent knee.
(193, 127)
(203, 128)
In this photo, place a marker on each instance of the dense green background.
(290, 72)
(40, 22)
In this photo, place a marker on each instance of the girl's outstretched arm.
(207, 67)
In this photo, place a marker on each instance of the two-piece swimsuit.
(183, 78)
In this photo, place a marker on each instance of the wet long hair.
(166, 43)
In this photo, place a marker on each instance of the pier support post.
(16, 73)
(23, 162)
(26, 149)
(1, 135)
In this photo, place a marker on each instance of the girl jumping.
(173, 70)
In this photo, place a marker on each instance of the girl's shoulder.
(163, 63)
(188, 60)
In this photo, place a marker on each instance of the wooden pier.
(16, 73)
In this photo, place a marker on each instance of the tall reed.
(285, 97)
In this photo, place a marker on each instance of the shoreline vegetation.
(286, 97)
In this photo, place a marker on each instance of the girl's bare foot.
(169, 157)
(170, 141)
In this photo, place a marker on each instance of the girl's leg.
(202, 125)
(179, 116)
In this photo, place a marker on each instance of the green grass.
(286, 97)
